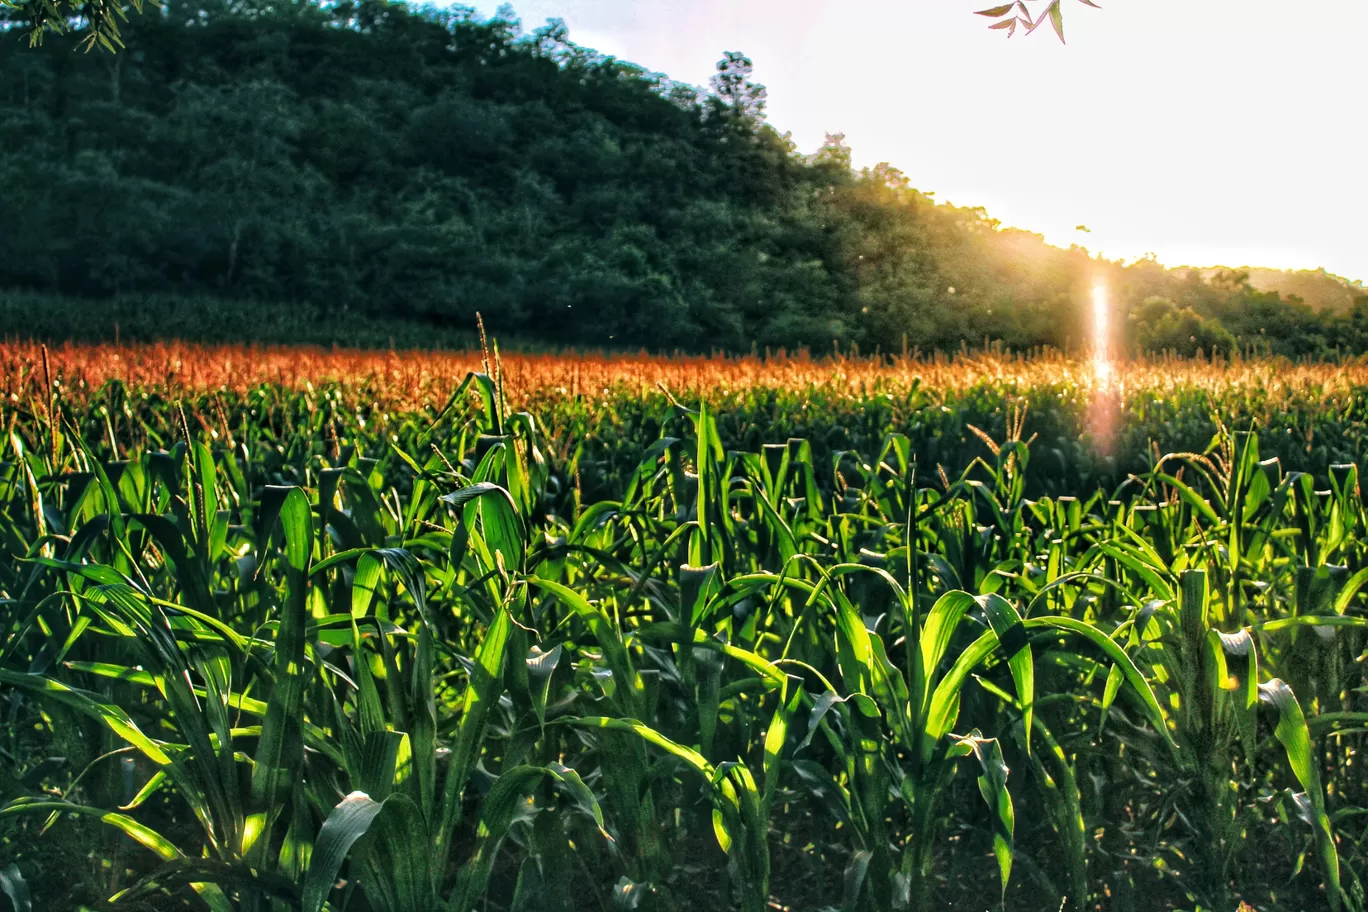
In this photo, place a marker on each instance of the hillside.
(309, 172)
(1321, 290)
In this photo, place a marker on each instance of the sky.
(1205, 132)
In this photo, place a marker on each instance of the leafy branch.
(100, 18)
(1012, 16)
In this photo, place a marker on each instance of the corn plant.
(280, 649)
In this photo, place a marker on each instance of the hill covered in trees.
(1320, 289)
(371, 164)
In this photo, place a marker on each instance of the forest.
(367, 170)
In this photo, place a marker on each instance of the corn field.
(835, 634)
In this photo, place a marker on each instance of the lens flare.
(1102, 368)
(1104, 409)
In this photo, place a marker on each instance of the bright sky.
(1229, 132)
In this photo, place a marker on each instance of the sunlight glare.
(1102, 368)
(1104, 409)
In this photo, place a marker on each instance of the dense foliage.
(1320, 289)
(287, 171)
(282, 649)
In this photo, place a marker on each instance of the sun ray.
(1101, 313)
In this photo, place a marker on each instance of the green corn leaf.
(569, 781)
(1329, 622)
(943, 708)
(992, 785)
(940, 625)
(280, 750)
(1115, 678)
(630, 686)
(397, 861)
(680, 633)
(482, 692)
(697, 587)
(1245, 692)
(365, 584)
(115, 718)
(1015, 643)
(13, 885)
(1149, 567)
(853, 880)
(144, 836)
(700, 543)
(690, 756)
(783, 535)
(790, 696)
(498, 809)
(727, 809)
(1139, 685)
(1292, 733)
(501, 525)
(210, 878)
(1351, 588)
(541, 666)
(345, 824)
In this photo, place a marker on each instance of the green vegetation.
(289, 651)
(151, 317)
(363, 163)
(833, 638)
(1318, 289)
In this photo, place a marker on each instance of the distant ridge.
(1321, 290)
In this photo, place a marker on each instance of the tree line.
(375, 162)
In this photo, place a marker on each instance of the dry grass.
(414, 379)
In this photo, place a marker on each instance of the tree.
(732, 86)
(416, 166)
(1158, 325)
(99, 19)
(835, 154)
